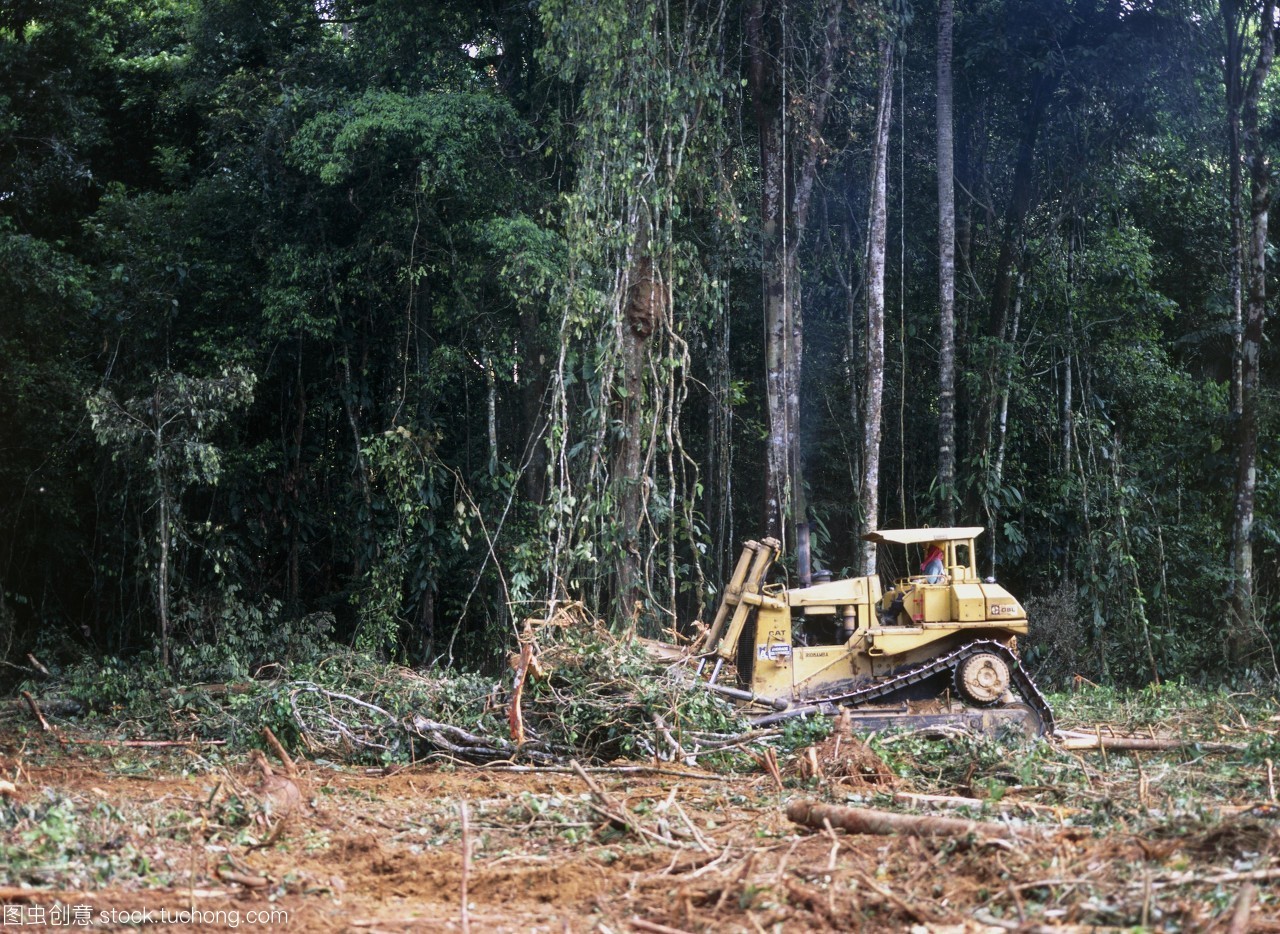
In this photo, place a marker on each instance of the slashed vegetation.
(574, 690)
(643, 806)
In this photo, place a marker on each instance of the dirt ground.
(114, 837)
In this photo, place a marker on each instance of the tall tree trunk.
(765, 80)
(852, 362)
(877, 229)
(643, 311)
(294, 477)
(162, 573)
(1002, 431)
(491, 412)
(1242, 637)
(1234, 26)
(789, 161)
(533, 391)
(946, 271)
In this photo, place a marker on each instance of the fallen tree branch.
(1077, 740)
(911, 797)
(1243, 906)
(611, 770)
(289, 768)
(35, 712)
(1222, 878)
(148, 743)
(867, 821)
(642, 925)
(603, 803)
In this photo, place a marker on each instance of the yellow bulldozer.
(938, 648)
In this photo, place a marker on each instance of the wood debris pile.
(574, 690)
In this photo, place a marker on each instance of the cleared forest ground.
(1171, 840)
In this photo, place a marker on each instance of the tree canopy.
(390, 321)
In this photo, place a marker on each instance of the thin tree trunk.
(874, 380)
(533, 388)
(1232, 64)
(293, 483)
(789, 162)
(764, 78)
(1242, 637)
(162, 581)
(946, 271)
(852, 358)
(1002, 429)
(491, 412)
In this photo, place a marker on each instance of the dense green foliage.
(322, 320)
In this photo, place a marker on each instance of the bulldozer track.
(884, 690)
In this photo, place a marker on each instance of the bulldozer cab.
(956, 545)
(949, 591)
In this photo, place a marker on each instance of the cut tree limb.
(289, 768)
(1243, 907)
(1076, 740)
(867, 821)
(35, 711)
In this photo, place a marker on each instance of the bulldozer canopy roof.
(919, 536)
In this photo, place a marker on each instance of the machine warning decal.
(773, 652)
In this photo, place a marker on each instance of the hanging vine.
(621, 508)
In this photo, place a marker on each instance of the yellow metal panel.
(928, 603)
(968, 603)
(893, 640)
(836, 593)
(1001, 605)
(772, 675)
(823, 663)
(920, 536)
(1013, 625)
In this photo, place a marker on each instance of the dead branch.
(676, 749)
(148, 743)
(1243, 906)
(515, 719)
(642, 925)
(1077, 740)
(768, 761)
(289, 768)
(911, 797)
(35, 712)
(892, 897)
(867, 821)
(612, 770)
(1222, 878)
(604, 804)
(466, 866)
(240, 878)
